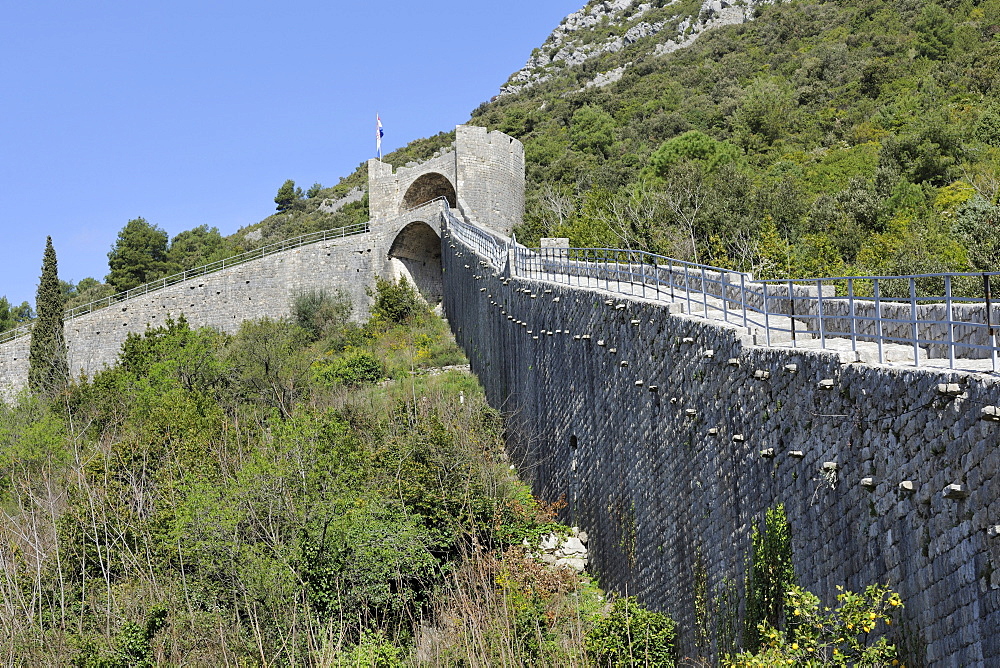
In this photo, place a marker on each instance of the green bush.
(374, 650)
(847, 635)
(396, 301)
(354, 369)
(321, 313)
(632, 636)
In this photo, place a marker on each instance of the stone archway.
(416, 255)
(426, 188)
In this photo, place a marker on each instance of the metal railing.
(879, 318)
(489, 245)
(226, 263)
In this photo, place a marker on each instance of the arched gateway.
(480, 177)
(415, 254)
(427, 188)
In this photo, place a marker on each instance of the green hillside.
(845, 137)
(822, 138)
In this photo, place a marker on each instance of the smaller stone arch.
(428, 187)
(415, 254)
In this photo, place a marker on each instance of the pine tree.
(288, 196)
(138, 256)
(48, 358)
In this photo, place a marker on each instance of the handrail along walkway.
(824, 313)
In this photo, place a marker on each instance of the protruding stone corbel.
(955, 491)
(949, 389)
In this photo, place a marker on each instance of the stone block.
(990, 413)
(955, 491)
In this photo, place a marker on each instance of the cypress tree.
(48, 369)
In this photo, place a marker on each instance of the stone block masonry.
(669, 436)
(260, 288)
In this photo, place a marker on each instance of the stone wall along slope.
(669, 436)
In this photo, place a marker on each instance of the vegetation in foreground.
(318, 492)
(310, 491)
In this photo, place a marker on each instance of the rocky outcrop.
(335, 205)
(562, 551)
(572, 44)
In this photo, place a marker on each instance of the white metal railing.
(159, 284)
(890, 313)
(489, 245)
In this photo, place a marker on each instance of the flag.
(379, 133)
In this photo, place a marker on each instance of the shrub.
(821, 636)
(321, 313)
(632, 636)
(396, 301)
(354, 369)
(374, 650)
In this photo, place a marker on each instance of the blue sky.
(190, 113)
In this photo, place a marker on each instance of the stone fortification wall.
(387, 189)
(652, 425)
(490, 169)
(259, 288)
(484, 175)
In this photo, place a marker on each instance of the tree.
(685, 193)
(138, 256)
(935, 30)
(314, 190)
(288, 196)
(196, 247)
(592, 130)
(48, 369)
(12, 316)
(691, 146)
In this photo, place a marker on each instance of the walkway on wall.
(159, 284)
(871, 319)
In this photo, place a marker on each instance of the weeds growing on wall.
(771, 574)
